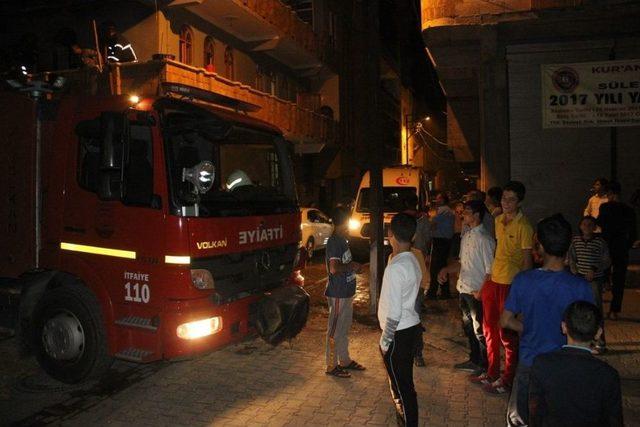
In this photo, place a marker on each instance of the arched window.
(209, 58)
(186, 45)
(228, 62)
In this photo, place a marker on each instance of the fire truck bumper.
(194, 327)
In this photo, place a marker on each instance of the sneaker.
(482, 379)
(467, 366)
(497, 387)
(419, 361)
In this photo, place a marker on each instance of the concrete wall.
(558, 166)
(447, 12)
(435, 9)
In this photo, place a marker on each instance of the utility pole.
(359, 110)
(375, 151)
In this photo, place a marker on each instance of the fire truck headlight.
(202, 279)
(199, 328)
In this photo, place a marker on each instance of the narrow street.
(256, 384)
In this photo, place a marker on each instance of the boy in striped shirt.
(589, 258)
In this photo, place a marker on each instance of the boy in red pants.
(514, 236)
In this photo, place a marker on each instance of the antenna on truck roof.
(38, 90)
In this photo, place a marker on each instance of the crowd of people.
(535, 293)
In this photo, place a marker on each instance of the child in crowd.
(589, 258)
(411, 202)
(341, 287)
(399, 320)
(514, 236)
(539, 299)
(476, 258)
(570, 387)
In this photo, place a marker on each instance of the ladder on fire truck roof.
(191, 92)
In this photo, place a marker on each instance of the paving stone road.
(254, 384)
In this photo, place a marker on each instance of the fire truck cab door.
(119, 239)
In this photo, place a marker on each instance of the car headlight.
(354, 224)
(202, 279)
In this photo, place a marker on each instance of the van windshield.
(393, 199)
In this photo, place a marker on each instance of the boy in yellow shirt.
(514, 236)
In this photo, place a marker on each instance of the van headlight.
(354, 224)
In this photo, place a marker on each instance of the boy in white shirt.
(398, 317)
(477, 251)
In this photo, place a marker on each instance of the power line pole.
(374, 150)
(359, 110)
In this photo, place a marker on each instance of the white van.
(398, 182)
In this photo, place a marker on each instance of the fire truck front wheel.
(69, 334)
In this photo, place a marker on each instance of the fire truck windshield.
(252, 171)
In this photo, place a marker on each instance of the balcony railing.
(433, 11)
(287, 21)
(298, 124)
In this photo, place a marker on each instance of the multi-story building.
(259, 52)
(503, 65)
(405, 92)
(300, 61)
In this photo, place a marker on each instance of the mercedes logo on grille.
(263, 261)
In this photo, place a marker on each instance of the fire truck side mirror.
(112, 127)
(113, 134)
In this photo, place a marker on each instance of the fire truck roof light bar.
(171, 259)
(118, 253)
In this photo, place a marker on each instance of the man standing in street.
(442, 233)
(411, 202)
(618, 223)
(570, 386)
(476, 258)
(539, 298)
(599, 198)
(399, 319)
(341, 287)
(514, 236)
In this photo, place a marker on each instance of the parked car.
(316, 229)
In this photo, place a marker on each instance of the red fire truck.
(143, 228)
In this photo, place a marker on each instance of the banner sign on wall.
(591, 94)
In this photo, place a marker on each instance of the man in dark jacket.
(570, 387)
(618, 223)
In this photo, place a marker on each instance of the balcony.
(268, 26)
(469, 12)
(310, 130)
